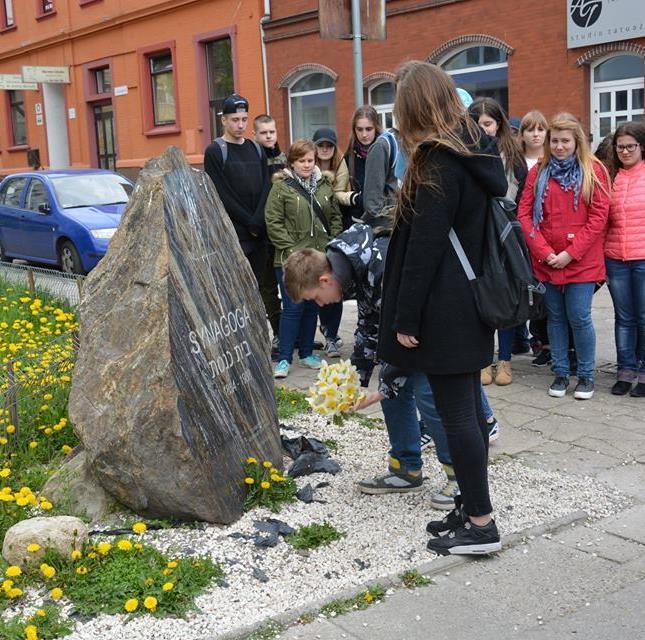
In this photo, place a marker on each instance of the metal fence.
(64, 286)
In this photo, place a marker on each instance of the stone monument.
(173, 386)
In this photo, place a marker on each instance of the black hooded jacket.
(425, 291)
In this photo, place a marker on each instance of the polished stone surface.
(173, 386)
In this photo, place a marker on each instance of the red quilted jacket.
(626, 232)
(580, 232)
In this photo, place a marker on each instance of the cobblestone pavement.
(583, 580)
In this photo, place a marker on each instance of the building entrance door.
(104, 128)
(617, 95)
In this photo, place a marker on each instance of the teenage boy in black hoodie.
(239, 171)
(264, 131)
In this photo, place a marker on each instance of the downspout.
(265, 18)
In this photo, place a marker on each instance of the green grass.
(49, 625)
(361, 601)
(291, 402)
(268, 632)
(267, 486)
(413, 579)
(366, 421)
(314, 535)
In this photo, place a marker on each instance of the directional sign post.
(14, 82)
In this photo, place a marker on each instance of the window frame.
(41, 12)
(300, 94)
(5, 188)
(145, 54)
(382, 109)
(11, 137)
(4, 23)
(27, 196)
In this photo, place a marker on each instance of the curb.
(427, 569)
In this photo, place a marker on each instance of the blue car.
(64, 218)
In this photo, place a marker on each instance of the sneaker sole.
(557, 394)
(583, 395)
(335, 354)
(308, 366)
(279, 376)
(493, 436)
(469, 549)
(377, 491)
(442, 506)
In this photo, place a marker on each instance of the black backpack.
(507, 293)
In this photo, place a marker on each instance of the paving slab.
(513, 441)
(568, 458)
(589, 539)
(629, 524)
(629, 478)
(319, 629)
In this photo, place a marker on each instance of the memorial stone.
(172, 388)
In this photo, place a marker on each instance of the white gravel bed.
(385, 535)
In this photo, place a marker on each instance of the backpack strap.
(223, 146)
(393, 147)
(461, 254)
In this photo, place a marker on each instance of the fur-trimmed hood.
(318, 175)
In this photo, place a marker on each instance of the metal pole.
(357, 46)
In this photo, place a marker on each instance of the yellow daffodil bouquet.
(336, 390)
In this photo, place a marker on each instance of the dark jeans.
(297, 323)
(458, 401)
(256, 253)
(269, 292)
(330, 317)
(571, 305)
(626, 280)
(505, 339)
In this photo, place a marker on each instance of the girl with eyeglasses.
(625, 257)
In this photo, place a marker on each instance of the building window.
(163, 89)
(482, 71)
(103, 80)
(312, 104)
(381, 97)
(219, 69)
(17, 116)
(7, 14)
(47, 6)
(616, 94)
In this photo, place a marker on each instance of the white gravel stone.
(385, 534)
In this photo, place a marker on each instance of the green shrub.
(314, 535)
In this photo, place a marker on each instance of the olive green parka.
(291, 221)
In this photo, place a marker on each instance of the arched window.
(381, 97)
(616, 93)
(312, 104)
(480, 70)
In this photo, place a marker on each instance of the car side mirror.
(44, 207)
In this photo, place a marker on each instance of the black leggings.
(458, 401)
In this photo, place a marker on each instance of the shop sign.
(14, 82)
(54, 75)
(597, 21)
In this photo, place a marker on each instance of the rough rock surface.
(173, 389)
(75, 488)
(62, 533)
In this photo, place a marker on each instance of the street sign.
(14, 82)
(53, 75)
(335, 19)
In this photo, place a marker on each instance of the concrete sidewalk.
(583, 581)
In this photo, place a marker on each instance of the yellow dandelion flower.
(124, 545)
(168, 586)
(48, 397)
(47, 570)
(76, 554)
(251, 461)
(265, 484)
(11, 428)
(139, 527)
(33, 444)
(172, 564)
(81, 570)
(249, 480)
(46, 505)
(41, 613)
(103, 548)
(31, 632)
(150, 603)
(5, 473)
(131, 605)
(267, 465)
(14, 593)
(91, 555)
(66, 449)
(368, 597)
(13, 571)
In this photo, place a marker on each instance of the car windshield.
(91, 190)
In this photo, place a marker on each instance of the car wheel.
(70, 261)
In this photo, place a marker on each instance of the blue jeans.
(505, 339)
(330, 316)
(297, 322)
(403, 427)
(626, 282)
(571, 305)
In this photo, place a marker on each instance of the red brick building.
(519, 52)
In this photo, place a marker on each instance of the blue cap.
(466, 98)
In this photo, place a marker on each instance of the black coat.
(425, 291)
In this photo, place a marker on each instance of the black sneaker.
(584, 389)
(392, 483)
(621, 388)
(559, 386)
(468, 539)
(638, 391)
(449, 522)
(426, 441)
(493, 429)
(543, 358)
(520, 347)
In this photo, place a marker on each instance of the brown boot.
(504, 375)
(487, 375)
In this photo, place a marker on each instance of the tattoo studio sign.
(592, 22)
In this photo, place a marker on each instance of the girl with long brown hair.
(429, 321)
(563, 212)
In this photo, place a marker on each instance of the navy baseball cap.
(235, 104)
(325, 135)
